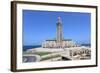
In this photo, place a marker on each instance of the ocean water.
(30, 47)
(86, 45)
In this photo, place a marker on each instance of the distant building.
(59, 42)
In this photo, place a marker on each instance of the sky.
(41, 25)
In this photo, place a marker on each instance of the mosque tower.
(59, 32)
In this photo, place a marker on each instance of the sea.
(30, 47)
(87, 45)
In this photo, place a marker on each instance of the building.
(59, 42)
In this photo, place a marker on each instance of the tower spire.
(59, 19)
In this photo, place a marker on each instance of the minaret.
(59, 32)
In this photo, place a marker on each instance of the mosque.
(62, 49)
(59, 42)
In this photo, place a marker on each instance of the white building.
(53, 44)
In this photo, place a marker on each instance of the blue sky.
(41, 25)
